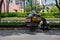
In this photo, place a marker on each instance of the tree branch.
(57, 5)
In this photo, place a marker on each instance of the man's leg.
(44, 23)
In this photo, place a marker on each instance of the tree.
(1, 1)
(57, 5)
(30, 3)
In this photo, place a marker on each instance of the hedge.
(14, 14)
(18, 14)
(51, 24)
(50, 15)
(12, 23)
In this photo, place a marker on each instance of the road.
(27, 35)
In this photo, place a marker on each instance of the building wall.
(15, 4)
(12, 6)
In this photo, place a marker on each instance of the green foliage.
(15, 14)
(51, 24)
(50, 15)
(12, 23)
(54, 9)
(36, 7)
(4, 14)
(54, 24)
(25, 14)
(28, 8)
(22, 14)
(57, 15)
(11, 14)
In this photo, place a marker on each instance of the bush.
(53, 24)
(11, 14)
(25, 14)
(36, 7)
(15, 14)
(57, 15)
(54, 9)
(28, 8)
(12, 23)
(4, 14)
(50, 15)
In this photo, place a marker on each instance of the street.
(27, 35)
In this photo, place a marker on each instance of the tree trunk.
(4, 5)
(59, 2)
(7, 5)
(57, 5)
(24, 5)
(0, 8)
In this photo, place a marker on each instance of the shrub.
(12, 23)
(54, 9)
(53, 24)
(4, 14)
(36, 7)
(28, 8)
(15, 14)
(50, 15)
(11, 14)
(25, 14)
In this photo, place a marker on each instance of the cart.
(33, 22)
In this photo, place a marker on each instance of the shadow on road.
(53, 32)
(15, 32)
(19, 32)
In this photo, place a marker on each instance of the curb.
(21, 28)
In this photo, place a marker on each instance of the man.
(35, 12)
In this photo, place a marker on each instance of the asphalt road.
(27, 35)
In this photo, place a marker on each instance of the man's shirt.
(32, 14)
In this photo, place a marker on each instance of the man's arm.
(32, 14)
